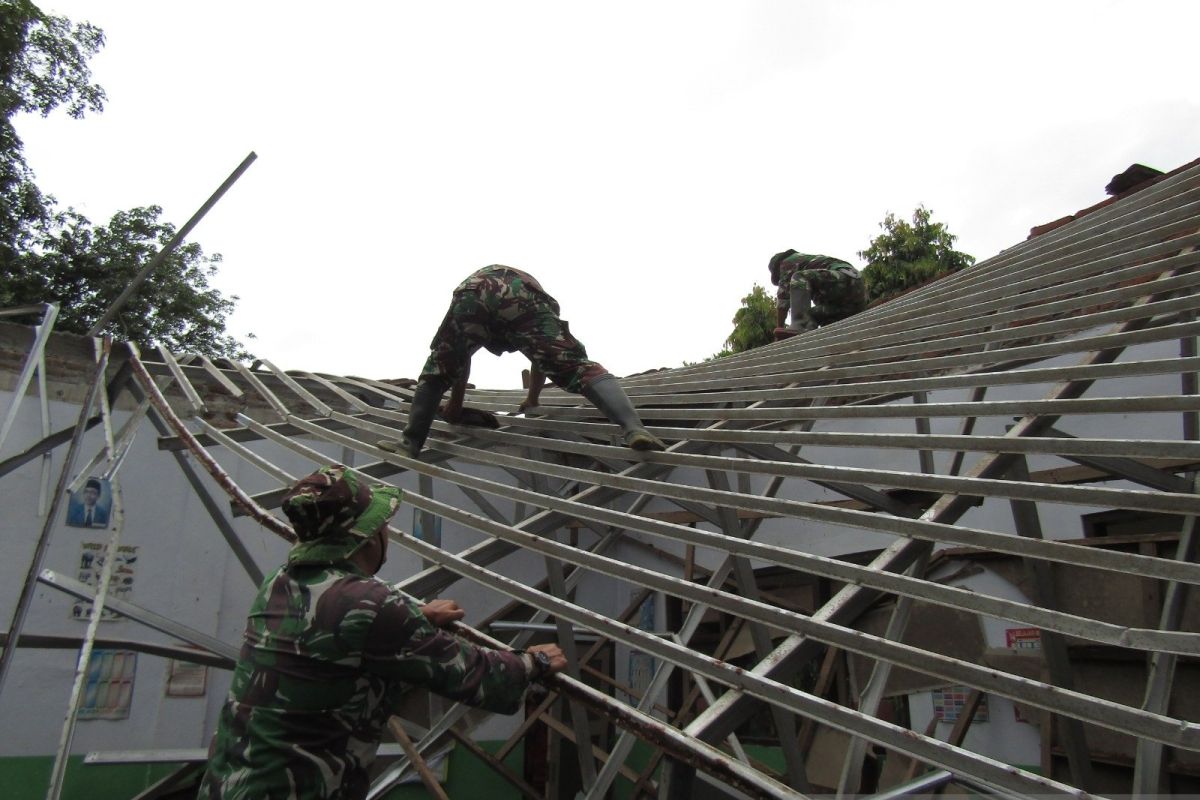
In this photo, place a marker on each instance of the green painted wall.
(26, 778)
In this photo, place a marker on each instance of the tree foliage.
(908, 254)
(44, 62)
(43, 65)
(753, 324)
(84, 267)
(52, 255)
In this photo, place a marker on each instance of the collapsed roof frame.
(1120, 277)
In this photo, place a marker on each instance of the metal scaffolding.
(1008, 360)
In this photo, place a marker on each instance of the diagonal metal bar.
(872, 693)
(34, 359)
(137, 613)
(215, 513)
(52, 441)
(747, 586)
(170, 784)
(1054, 647)
(1148, 763)
(191, 655)
(44, 407)
(195, 402)
(59, 769)
(25, 598)
(111, 312)
(566, 640)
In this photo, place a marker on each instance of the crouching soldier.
(506, 310)
(818, 289)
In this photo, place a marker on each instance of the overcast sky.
(642, 159)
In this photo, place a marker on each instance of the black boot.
(420, 419)
(606, 394)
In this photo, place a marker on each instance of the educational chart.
(91, 562)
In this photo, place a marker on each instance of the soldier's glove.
(472, 416)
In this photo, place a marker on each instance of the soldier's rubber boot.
(606, 394)
(420, 418)
(801, 309)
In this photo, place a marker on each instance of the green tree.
(753, 324)
(85, 267)
(908, 254)
(43, 65)
(51, 255)
(44, 62)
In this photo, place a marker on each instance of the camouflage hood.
(334, 512)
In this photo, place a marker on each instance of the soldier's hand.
(558, 662)
(449, 412)
(441, 613)
(477, 417)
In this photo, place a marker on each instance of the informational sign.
(91, 506)
(91, 562)
(1023, 638)
(185, 679)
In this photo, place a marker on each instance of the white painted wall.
(186, 571)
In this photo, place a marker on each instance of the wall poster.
(186, 679)
(108, 688)
(91, 506)
(91, 561)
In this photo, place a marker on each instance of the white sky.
(642, 159)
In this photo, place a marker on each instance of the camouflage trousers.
(835, 293)
(505, 310)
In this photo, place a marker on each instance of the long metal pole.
(872, 694)
(47, 457)
(82, 667)
(27, 588)
(32, 362)
(145, 616)
(59, 771)
(1148, 764)
(112, 311)
(427, 777)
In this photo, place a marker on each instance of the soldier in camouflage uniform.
(818, 289)
(329, 650)
(506, 310)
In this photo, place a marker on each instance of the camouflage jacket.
(801, 261)
(505, 310)
(801, 264)
(504, 295)
(328, 652)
